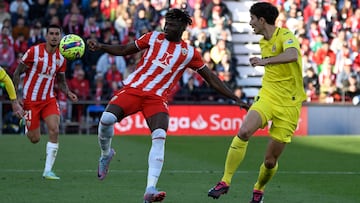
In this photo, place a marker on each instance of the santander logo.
(213, 122)
(199, 123)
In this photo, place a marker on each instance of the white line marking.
(186, 171)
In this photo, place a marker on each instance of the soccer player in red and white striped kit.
(43, 65)
(165, 58)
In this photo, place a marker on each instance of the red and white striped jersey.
(41, 72)
(162, 64)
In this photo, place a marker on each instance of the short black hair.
(53, 26)
(265, 10)
(180, 15)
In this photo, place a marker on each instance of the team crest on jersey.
(58, 62)
(164, 61)
(290, 41)
(184, 51)
(273, 49)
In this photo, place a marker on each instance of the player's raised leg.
(236, 153)
(105, 135)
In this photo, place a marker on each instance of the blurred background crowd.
(328, 32)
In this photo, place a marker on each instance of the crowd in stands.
(97, 75)
(328, 31)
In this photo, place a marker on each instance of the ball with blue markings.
(72, 47)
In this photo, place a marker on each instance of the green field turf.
(312, 170)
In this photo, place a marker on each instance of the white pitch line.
(186, 171)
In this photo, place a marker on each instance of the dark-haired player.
(43, 65)
(165, 58)
(279, 100)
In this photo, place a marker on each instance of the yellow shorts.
(284, 119)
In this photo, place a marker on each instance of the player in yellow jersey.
(9, 86)
(279, 100)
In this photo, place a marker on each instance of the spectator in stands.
(20, 28)
(328, 91)
(102, 92)
(188, 92)
(351, 87)
(353, 22)
(120, 24)
(150, 13)
(56, 8)
(208, 60)
(91, 26)
(324, 52)
(81, 87)
(114, 78)
(36, 35)
(18, 9)
(238, 91)
(311, 82)
(74, 24)
(7, 54)
(160, 6)
(309, 10)
(339, 41)
(228, 79)
(20, 44)
(224, 65)
(108, 9)
(326, 71)
(341, 56)
(4, 14)
(319, 20)
(186, 36)
(37, 10)
(344, 75)
(224, 12)
(141, 23)
(217, 24)
(106, 59)
(218, 51)
(199, 23)
(354, 44)
(6, 34)
(202, 42)
(292, 20)
(316, 44)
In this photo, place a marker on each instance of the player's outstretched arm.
(219, 86)
(117, 50)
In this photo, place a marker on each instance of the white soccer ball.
(72, 47)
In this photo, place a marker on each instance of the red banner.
(200, 120)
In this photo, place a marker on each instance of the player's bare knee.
(244, 133)
(270, 163)
(33, 139)
(54, 131)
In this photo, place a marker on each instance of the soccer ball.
(72, 47)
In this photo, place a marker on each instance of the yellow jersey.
(282, 84)
(9, 86)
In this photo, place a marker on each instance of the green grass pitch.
(317, 169)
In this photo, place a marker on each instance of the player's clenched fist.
(93, 44)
